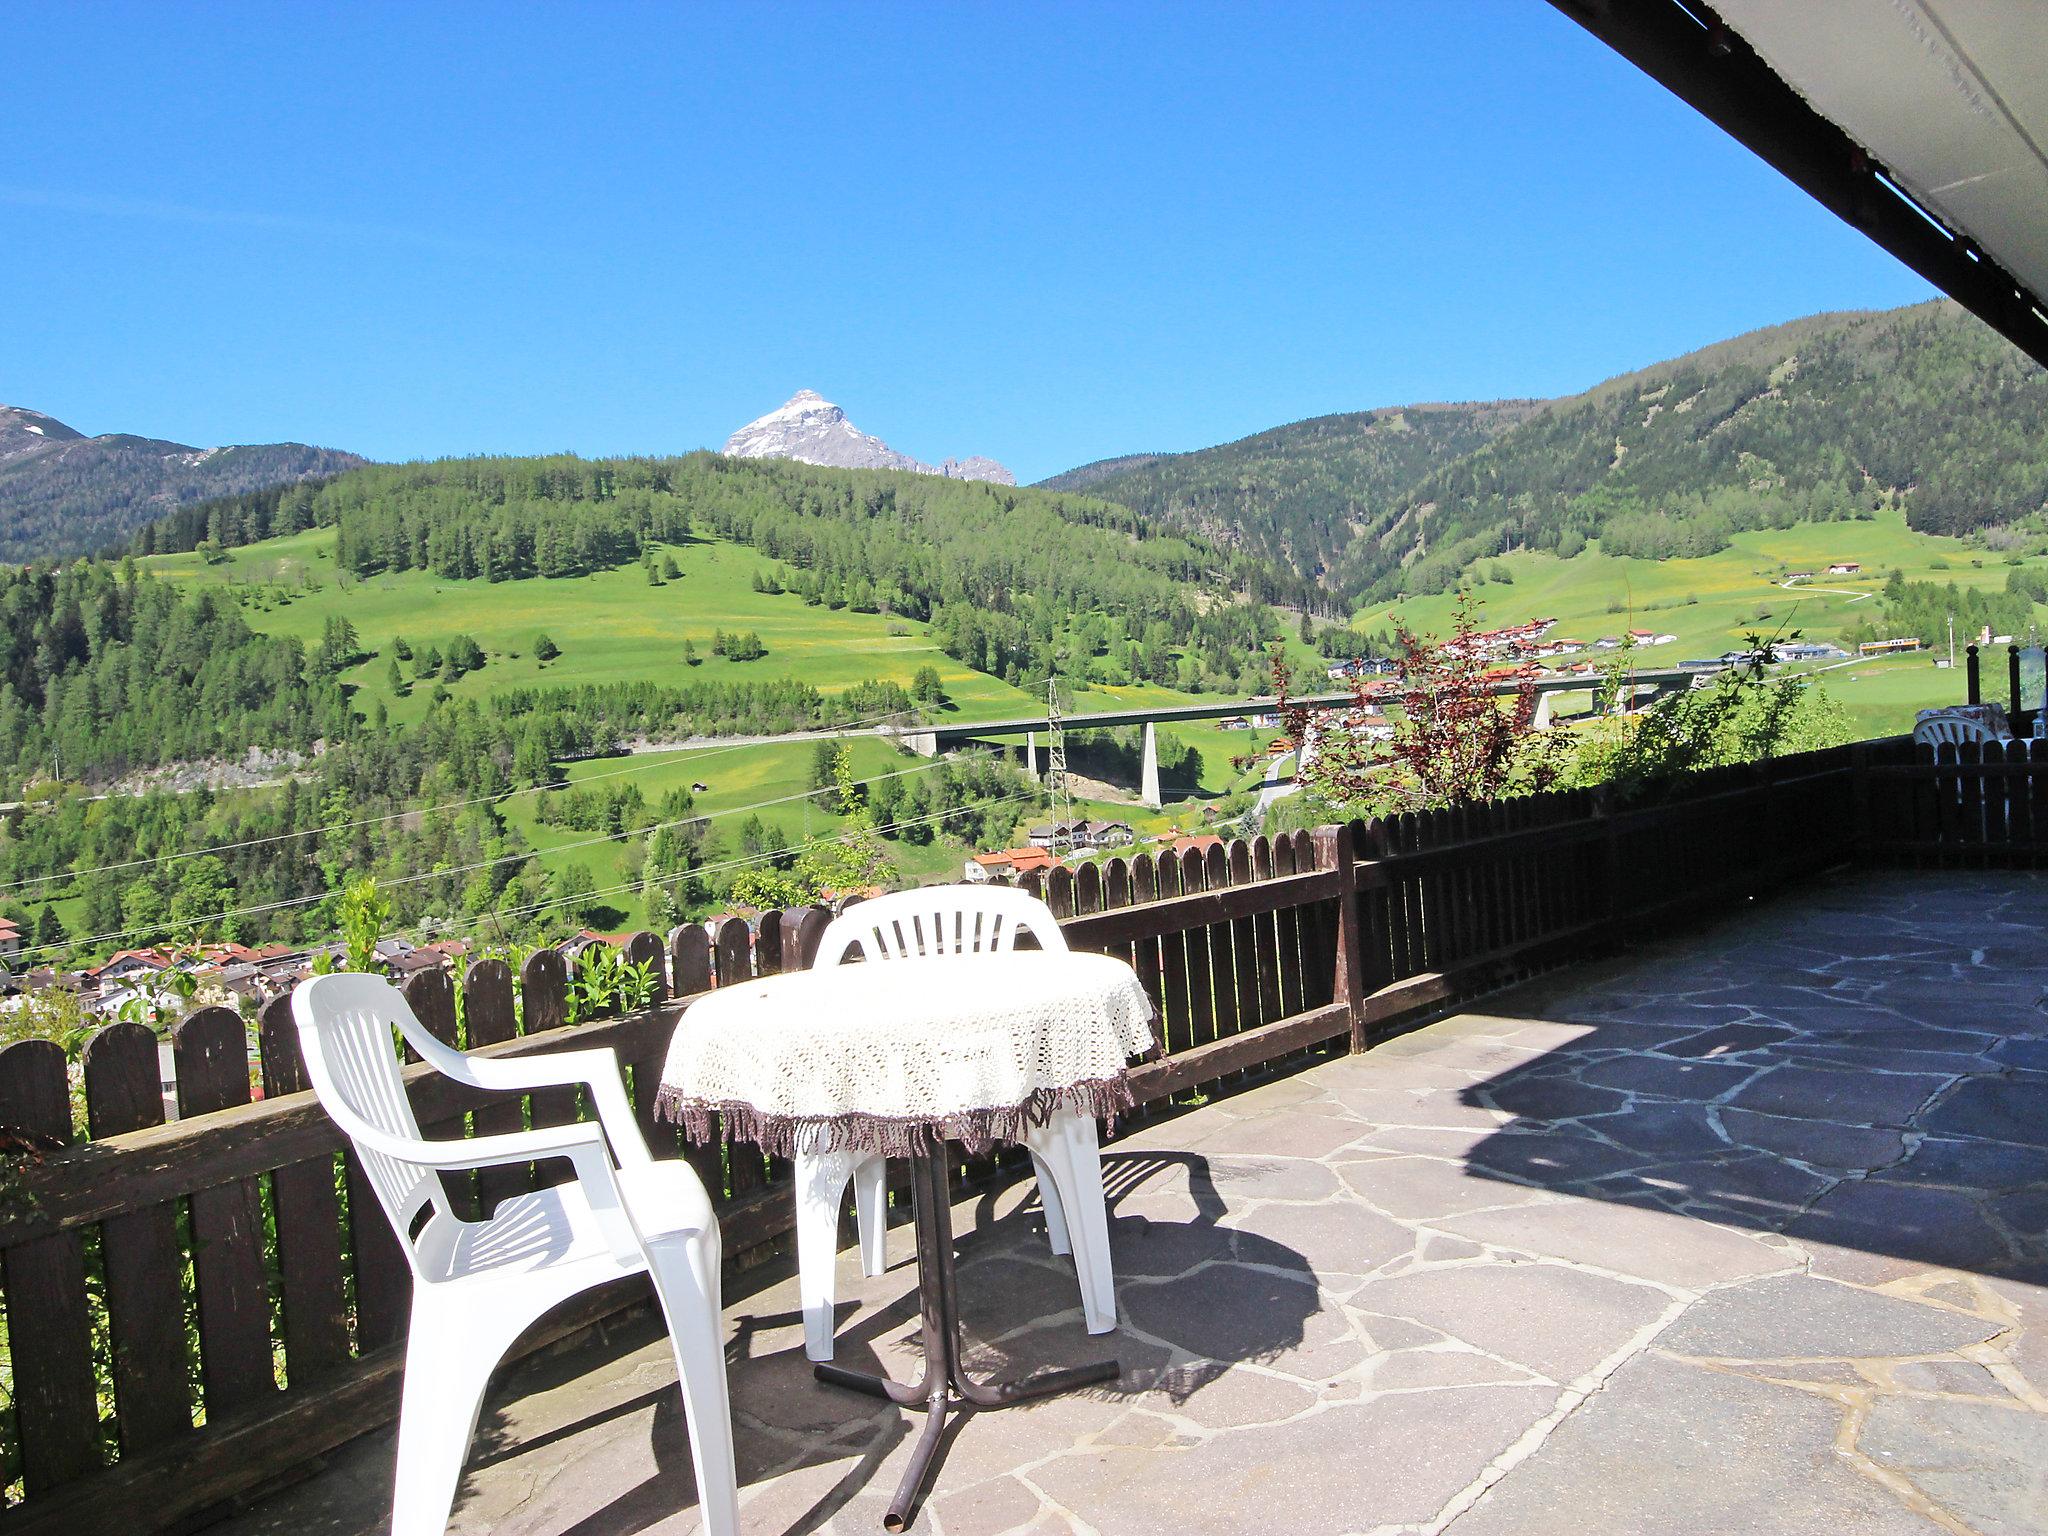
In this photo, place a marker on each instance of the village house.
(124, 967)
(1359, 666)
(1110, 834)
(1005, 865)
(1058, 834)
(1845, 567)
(1079, 836)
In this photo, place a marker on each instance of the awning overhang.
(1924, 123)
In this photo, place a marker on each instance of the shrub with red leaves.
(1462, 738)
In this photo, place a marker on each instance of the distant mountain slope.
(1823, 418)
(1085, 475)
(1827, 417)
(63, 493)
(812, 430)
(1296, 495)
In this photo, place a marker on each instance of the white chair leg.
(449, 1356)
(684, 1269)
(820, 1179)
(871, 1214)
(1049, 1202)
(1069, 1147)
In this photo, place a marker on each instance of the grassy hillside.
(1710, 602)
(610, 626)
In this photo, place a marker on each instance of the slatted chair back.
(939, 920)
(345, 1024)
(1951, 730)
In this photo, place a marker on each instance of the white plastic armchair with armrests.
(477, 1285)
(1065, 1152)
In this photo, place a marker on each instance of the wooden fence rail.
(196, 1304)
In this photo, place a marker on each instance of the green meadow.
(1712, 602)
(616, 626)
(611, 626)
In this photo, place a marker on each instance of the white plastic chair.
(1951, 730)
(1065, 1152)
(477, 1285)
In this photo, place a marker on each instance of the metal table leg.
(945, 1386)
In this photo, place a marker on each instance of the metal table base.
(945, 1386)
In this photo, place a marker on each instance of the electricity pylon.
(1056, 786)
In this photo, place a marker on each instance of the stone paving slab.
(1745, 1232)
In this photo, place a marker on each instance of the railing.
(197, 1307)
(1963, 805)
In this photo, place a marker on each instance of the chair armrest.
(582, 1144)
(595, 1069)
(482, 1151)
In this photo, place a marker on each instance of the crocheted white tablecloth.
(898, 1056)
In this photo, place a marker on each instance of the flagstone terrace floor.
(1746, 1232)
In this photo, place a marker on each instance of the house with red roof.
(1009, 863)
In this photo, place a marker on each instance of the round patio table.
(899, 1058)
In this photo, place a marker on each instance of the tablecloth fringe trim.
(976, 1129)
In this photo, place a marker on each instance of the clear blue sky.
(1043, 233)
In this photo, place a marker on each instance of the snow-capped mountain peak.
(812, 430)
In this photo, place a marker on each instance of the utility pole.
(1056, 787)
(1951, 642)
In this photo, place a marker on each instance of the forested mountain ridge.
(1082, 476)
(1297, 496)
(63, 493)
(1821, 418)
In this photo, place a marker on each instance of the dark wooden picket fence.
(200, 1305)
(1967, 805)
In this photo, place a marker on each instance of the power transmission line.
(416, 877)
(766, 856)
(655, 761)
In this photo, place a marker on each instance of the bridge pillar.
(1541, 721)
(1148, 780)
(1031, 753)
(923, 743)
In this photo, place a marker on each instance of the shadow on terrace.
(1863, 1066)
(589, 1441)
